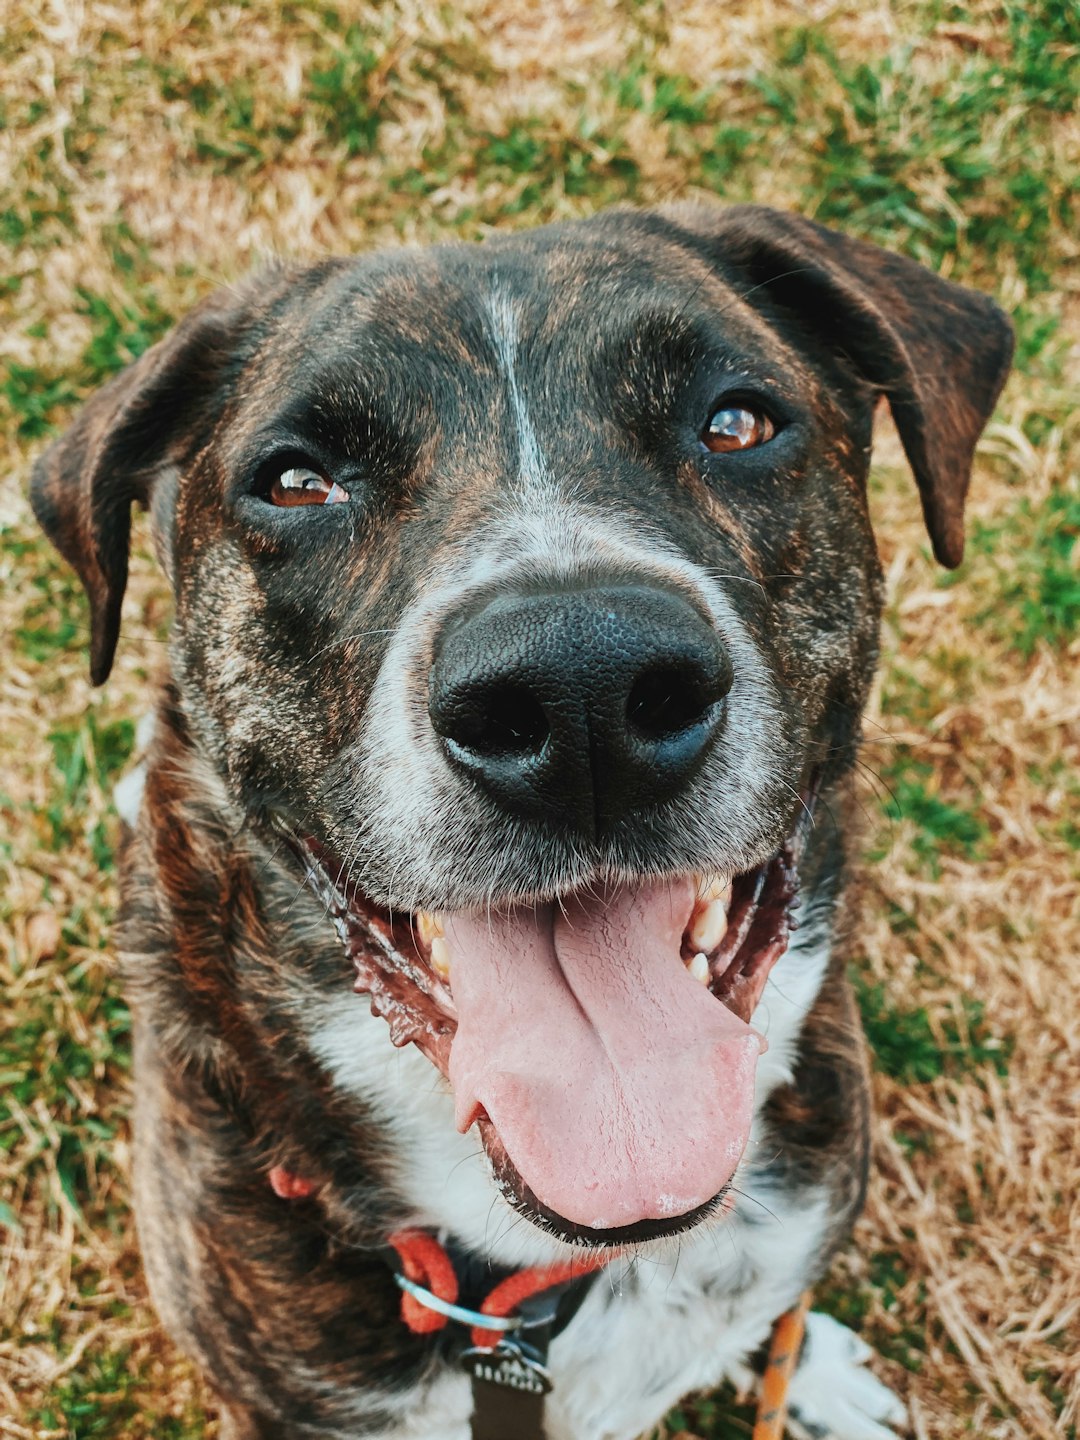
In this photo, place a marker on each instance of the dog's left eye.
(736, 427)
(300, 486)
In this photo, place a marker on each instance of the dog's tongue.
(619, 1086)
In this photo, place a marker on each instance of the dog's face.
(528, 590)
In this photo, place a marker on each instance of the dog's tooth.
(428, 926)
(709, 926)
(699, 967)
(440, 957)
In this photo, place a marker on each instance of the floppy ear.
(124, 439)
(938, 351)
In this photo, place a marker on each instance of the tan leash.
(787, 1338)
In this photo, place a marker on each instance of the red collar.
(427, 1266)
(424, 1261)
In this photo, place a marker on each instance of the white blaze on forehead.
(503, 318)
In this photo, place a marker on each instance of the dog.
(534, 738)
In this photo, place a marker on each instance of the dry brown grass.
(965, 1264)
(987, 1222)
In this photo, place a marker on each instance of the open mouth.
(601, 1043)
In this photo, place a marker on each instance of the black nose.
(580, 706)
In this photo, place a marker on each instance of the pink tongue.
(620, 1087)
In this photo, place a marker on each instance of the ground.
(151, 149)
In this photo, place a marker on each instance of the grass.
(150, 151)
(36, 397)
(347, 93)
(918, 1046)
(1033, 558)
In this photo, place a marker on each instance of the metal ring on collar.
(458, 1312)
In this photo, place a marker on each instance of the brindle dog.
(531, 734)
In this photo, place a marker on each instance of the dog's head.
(529, 590)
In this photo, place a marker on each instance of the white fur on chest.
(682, 1323)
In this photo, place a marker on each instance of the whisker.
(347, 640)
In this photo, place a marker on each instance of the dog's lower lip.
(616, 1238)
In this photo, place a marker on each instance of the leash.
(511, 1330)
(784, 1347)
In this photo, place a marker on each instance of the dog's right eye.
(297, 485)
(735, 426)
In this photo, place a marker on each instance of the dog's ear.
(124, 439)
(939, 352)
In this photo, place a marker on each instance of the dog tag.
(512, 1364)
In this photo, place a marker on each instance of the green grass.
(53, 617)
(886, 1277)
(40, 1054)
(1060, 784)
(671, 99)
(121, 331)
(877, 142)
(906, 1046)
(105, 1398)
(941, 826)
(1033, 561)
(716, 1416)
(343, 91)
(586, 162)
(237, 124)
(37, 398)
(87, 755)
(33, 397)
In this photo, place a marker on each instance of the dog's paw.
(832, 1395)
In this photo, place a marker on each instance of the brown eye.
(300, 486)
(736, 427)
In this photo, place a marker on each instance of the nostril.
(500, 720)
(668, 700)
